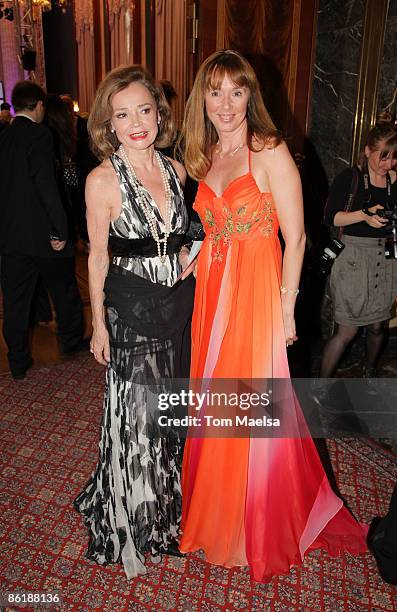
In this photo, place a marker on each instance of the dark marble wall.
(388, 73)
(339, 34)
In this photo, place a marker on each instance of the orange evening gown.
(261, 502)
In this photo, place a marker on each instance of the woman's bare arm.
(343, 218)
(98, 219)
(283, 180)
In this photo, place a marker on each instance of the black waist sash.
(150, 309)
(143, 247)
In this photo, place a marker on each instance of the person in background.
(5, 115)
(190, 188)
(84, 161)
(363, 282)
(171, 96)
(382, 541)
(58, 118)
(34, 232)
(41, 307)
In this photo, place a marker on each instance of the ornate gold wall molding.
(291, 81)
(368, 78)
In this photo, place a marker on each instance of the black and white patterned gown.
(132, 503)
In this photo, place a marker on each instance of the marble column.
(388, 73)
(340, 26)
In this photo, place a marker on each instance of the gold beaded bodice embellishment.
(236, 225)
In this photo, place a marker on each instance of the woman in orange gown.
(261, 502)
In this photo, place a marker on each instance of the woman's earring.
(158, 121)
(112, 130)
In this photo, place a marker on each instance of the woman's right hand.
(99, 345)
(375, 221)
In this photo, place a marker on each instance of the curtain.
(84, 19)
(11, 71)
(170, 55)
(121, 14)
(267, 47)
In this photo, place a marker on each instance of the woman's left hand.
(289, 327)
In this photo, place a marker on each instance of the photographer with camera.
(363, 203)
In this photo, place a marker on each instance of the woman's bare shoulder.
(101, 172)
(274, 158)
(102, 187)
(103, 176)
(272, 163)
(269, 150)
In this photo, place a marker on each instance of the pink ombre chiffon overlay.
(257, 502)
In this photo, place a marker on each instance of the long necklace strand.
(149, 213)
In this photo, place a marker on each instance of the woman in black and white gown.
(141, 321)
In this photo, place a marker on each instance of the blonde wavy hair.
(198, 135)
(103, 141)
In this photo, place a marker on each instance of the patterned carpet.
(48, 435)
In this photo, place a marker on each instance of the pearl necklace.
(162, 273)
(218, 150)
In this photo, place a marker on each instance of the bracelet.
(368, 212)
(292, 291)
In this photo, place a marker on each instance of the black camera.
(333, 249)
(388, 213)
(391, 238)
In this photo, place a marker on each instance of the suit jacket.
(4, 125)
(30, 206)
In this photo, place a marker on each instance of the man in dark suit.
(33, 232)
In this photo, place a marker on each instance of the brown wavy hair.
(59, 119)
(381, 137)
(198, 135)
(383, 131)
(103, 141)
